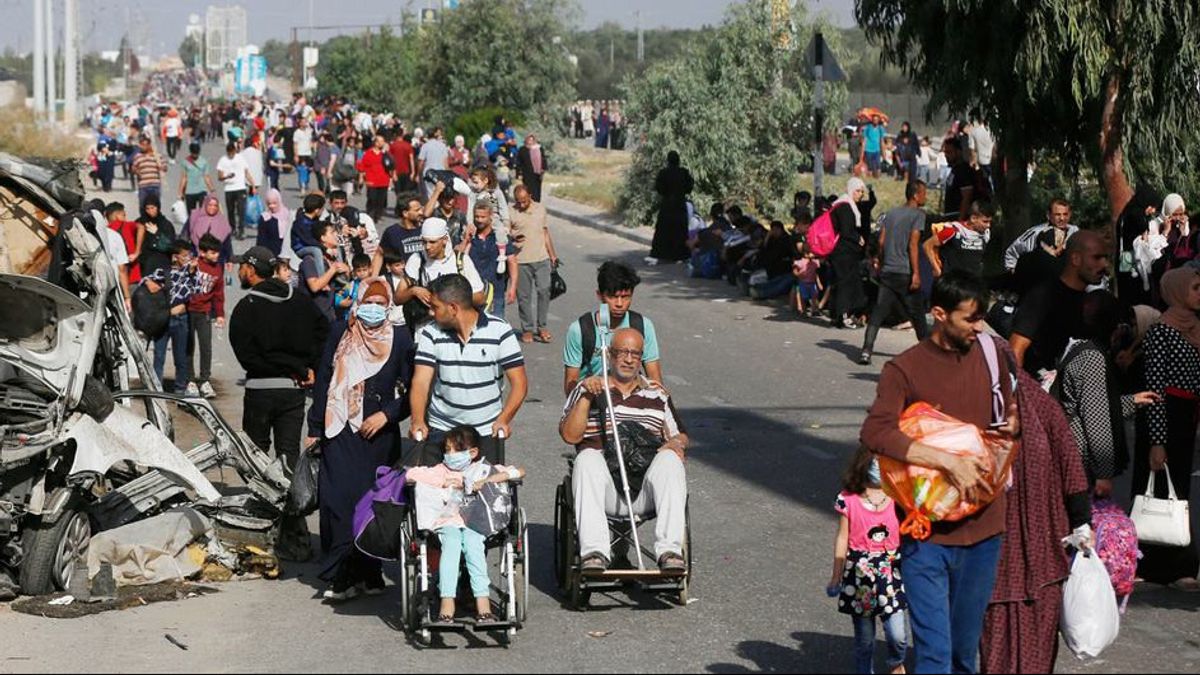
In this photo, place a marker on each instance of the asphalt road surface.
(774, 407)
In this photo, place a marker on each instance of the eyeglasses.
(626, 353)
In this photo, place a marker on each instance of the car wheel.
(96, 400)
(52, 550)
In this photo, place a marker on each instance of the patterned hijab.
(1175, 286)
(361, 354)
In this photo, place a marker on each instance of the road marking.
(675, 379)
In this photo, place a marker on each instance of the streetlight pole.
(70, 72)
(39, 57)
(819, 114)
(51, 88)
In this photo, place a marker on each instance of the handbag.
(558, 285)
(1164, 522)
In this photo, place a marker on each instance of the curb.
(641, 235)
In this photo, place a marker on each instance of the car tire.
(96, 400)
(52, 548)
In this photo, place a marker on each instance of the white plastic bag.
(1090, 620)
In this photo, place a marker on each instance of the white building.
(225, 30)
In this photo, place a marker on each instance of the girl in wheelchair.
(454, 499)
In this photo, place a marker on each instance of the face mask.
(457, 461)
(874, 479)
(372, 315)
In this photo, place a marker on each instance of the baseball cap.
(434, 229)
(261, 259)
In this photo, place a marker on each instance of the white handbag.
(1162, 521)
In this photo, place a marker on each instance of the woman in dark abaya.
(354, 418)
(1133, 223)
(849, 296)
(673, 185)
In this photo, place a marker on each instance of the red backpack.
(822, 237)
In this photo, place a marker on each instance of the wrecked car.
(88, 439)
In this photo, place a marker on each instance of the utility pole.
(70, 72)
(39, 57)
(297, 60)
(819, 113)
(51, 88)
(641, 46)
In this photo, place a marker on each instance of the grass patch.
(23, 136)
(601, 172)
(597, 178)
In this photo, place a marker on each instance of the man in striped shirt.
(664, 489)
(470, 353)
(149, 168)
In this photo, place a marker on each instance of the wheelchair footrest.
(639, 575)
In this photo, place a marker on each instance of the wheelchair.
(578, 587)
(508, 565)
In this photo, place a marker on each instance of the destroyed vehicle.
(79, 451)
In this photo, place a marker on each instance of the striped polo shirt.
(149, 169)
(468, 377)
(649, 406)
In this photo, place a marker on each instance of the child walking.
(866, 564)
(442, 491)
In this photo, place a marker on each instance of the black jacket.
(276, 332)
(525, 162)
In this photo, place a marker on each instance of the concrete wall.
(12, 92)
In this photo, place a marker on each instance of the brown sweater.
(958, 384)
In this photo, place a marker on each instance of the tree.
(279, 57)
(735, 110)
(506, 53)
(190, 51)
(1112, 84)
(381, 71)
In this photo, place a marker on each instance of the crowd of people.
(601, 121)
(1087, 352)
(350, 327)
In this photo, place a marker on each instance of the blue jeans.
(177, 335)
(456, 542)
(147, 191)
(498, 290)
(874, 160)
(864, 641)
(948, 589)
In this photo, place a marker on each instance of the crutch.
(602, 334)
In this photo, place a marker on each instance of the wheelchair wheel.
(686, 583)
(521, 568)
(562, 515)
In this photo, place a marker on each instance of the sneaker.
(672, 562)
(207, 391)
(864, 359)
(192, 390)
(335, 594)
(594, 563)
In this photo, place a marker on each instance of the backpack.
(345, 171)
(389, 164)
(1117, 544)
(587, 327)
(416, 314)
(380, 514)
(822, 237)
(151, 311)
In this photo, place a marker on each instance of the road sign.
(830, 70)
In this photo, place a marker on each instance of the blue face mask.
(874, 479)
(457, 461)
(372, 315)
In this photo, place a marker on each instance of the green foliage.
(608, 54)
(189, 51)
(279, 57)
(1040, 72)
(380, 71)
(735, 108)
(476, 123)
(505, 53)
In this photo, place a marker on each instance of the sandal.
(485, 620)
(444, 620)
(527, 337)
(544, 336)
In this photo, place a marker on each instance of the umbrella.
(865, 114)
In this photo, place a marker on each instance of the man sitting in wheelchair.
(653, 442)
(457, 499)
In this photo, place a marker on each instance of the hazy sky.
(102, 22)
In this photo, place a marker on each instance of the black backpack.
(389, 164)
(151, 311)
(587, 327)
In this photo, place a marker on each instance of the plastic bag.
(253, 211)
(1090, 620)
(302, 496)
(558, 285)
(926, 494)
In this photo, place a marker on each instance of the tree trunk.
(1013, 189)
(1112, 153)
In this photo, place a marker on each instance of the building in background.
(225, 35)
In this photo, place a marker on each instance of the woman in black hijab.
(1133, 223)
(673, 185)
(155, 238)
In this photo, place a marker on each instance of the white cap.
(434, 229)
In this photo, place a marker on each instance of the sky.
(103, 22)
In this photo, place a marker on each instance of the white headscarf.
(854, 185)
(1171, 204)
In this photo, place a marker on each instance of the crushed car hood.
(47, 331)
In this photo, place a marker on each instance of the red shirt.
(402, 152)
(371, 164)
(128, 231)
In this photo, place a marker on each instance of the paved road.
(774, 406)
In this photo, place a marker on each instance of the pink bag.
(822, 238)
(1117, 545)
